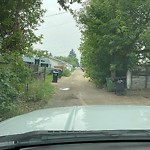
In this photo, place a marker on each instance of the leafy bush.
(12, 80)
(8, 91)
(8, 110)
(14, 76)
(66, 73)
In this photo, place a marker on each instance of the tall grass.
(40, 90)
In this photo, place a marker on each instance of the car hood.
(83, 118)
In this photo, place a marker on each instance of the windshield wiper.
(54, 137)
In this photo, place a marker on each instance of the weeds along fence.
(37, 73)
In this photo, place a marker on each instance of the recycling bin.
(120, 87)
(60, 73)
(55, 76)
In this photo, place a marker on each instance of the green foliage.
(66, 73)
(71, 60)
(66, 4)
(18, 21)
(39, 90)
(8, 90)
(10, 111)
(7, 79)
(38, 53)
(12, 80)
(10, 97)
(72, 54)
(111, 32)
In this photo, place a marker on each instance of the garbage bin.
(120, 87)
(55, 76)
(60, 73)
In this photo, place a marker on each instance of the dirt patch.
(141, 92)
(83, 92)
(68, 96)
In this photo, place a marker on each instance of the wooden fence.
(139, 78)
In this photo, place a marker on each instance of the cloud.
(59, 31)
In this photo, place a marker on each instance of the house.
(38, 65)
(56, 62)
(69, 67)
(28, 60)
(49, 63)
(45, 62)
(42, 62)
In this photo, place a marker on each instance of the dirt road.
(77, 90)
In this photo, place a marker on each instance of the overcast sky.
(59, 30)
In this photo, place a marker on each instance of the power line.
(56, 14)
(55, 26)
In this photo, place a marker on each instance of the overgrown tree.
(72, 54)
(65, 4)
(18, 21)
(111, 33)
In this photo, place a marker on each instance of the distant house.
(45, 62)
(38, 65)
(56, 62)
(69, 67)
(42, 62)
(49, 63)
(28, 60)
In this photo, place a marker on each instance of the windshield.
(76, 65)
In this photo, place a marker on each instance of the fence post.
(44, 73)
